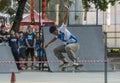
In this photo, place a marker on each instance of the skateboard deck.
(71, 67)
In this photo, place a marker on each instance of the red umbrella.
(27, 20)
(35, 26)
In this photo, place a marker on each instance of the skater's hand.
(46, 45)
(66, 6)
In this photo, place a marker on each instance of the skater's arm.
(51, 41)
(66, 14)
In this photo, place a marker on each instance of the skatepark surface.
(90, 50)
(61, 77)
(7, 63)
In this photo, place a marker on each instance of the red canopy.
(27, 20)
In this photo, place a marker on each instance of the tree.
(19, 14)
(100, 4)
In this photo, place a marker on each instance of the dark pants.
(29, 52)
(16, 56)
(22, 52)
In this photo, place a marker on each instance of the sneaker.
(75, 64)
(64, 64)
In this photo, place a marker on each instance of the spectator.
(3, 33)
(30, 43)
(13, 43)
(0, 36)
(38, 47)
(22, 49)
(2, 23)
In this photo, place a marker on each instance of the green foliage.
(112, 2)
(4, 4)
(86, 4)
(70, 2)
(100, 4)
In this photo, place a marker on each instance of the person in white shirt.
(70, 42)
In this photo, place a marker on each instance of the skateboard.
(72, 67)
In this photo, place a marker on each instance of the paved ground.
(64, 77)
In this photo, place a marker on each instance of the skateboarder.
(70, 43)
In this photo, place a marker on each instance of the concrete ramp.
(91, 52)
(6, 66)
